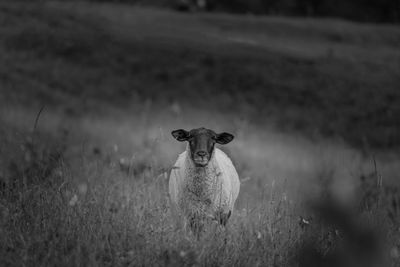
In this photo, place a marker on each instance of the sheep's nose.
(201, 153)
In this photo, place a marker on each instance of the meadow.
(91, 91)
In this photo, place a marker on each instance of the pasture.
(313, 104)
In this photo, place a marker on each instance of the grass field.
(312, 103)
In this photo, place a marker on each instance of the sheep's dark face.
(201, 143)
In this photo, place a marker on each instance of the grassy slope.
(115, 85)
(333, 78)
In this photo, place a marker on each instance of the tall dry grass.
(100, 214)
(72, 203)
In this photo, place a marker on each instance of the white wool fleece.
(204, 191)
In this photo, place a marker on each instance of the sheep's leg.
(196, 224)
(222, 217)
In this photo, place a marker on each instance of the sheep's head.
(201, 143)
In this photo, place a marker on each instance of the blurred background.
(310, 89)
(366, 11)
(129, 71)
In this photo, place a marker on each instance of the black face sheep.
(203, 183)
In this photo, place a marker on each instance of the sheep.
(203, 183)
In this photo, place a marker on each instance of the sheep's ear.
(224, 138)
(180, 135)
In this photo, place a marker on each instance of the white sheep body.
(204, 192)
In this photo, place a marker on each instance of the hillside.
(326, 78)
